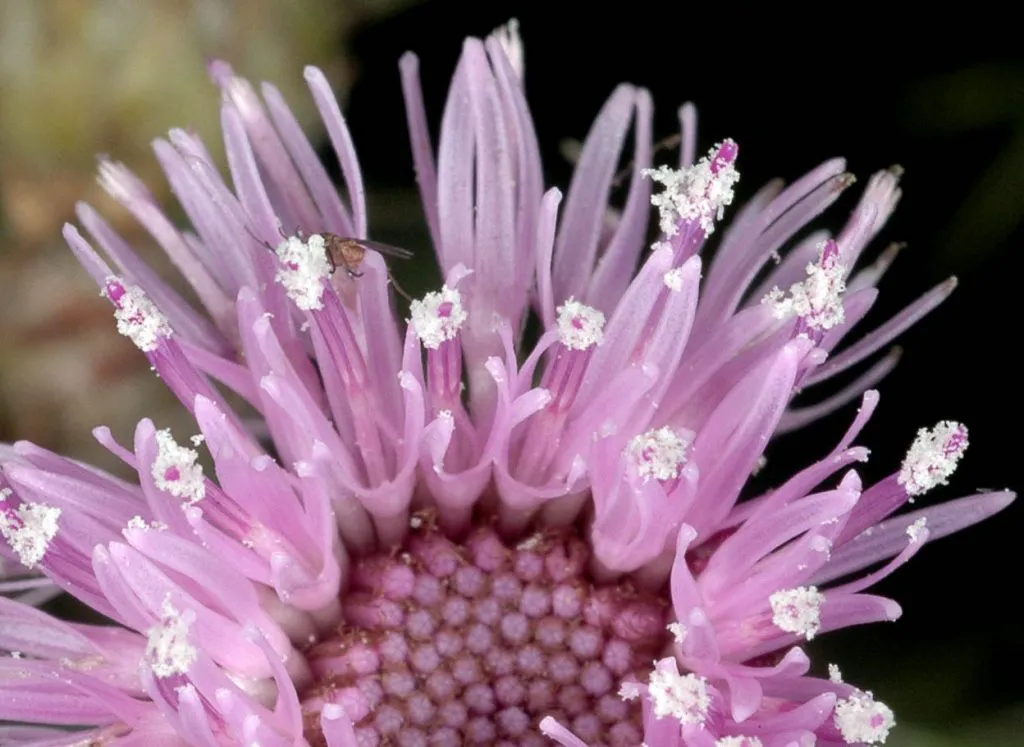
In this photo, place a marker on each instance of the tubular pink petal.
(165, 507)
(807, 716)
(755, 539)
(767, 244)
(215, 632)
(856, 305)
(245, 175)
(687, 134)
(493, 210)
(268, 147)
(626, 332)
(546, 227)
(706, 359)
(419, 140)
(560, 734)
(214, 210)
(194, 718)
(634, 520)
(333, 213)
(869, 277)
(337, 130)
(233, 375)
(380, 331)
(196, 574)
(183, 318)
(35, 633)
(337, 727)
(586, 203)
(38, 693)
(803, 416)
(321, 476)
(455, 176)
(876, 205)
(889, 537)
(685, 595)
(878, 502)
(108, 504)
(126, 188)
(728, 446)
(874, 340)
(769, 205)
(920, 536)
(740, 231)
(529, 178)
(857, 609)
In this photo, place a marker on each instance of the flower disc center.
(474, 643)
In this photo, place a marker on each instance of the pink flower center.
(475, 643)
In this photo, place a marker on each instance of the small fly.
(348, 253)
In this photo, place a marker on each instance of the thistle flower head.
(438, 532)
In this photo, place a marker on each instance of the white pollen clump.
(685, 697)
(658, 453)
(168, 649)
(835, 675)
(137, 522)
(674, 279)
(29, 529)
(933, 457)
(137, 316)
(629, 691)
(678, 631)
(304, 266)
(580, 326)
(175, 470)
(738, 742)
(860, 718)
(798, 610)
(438, 317)
(915, 529)
(818, 299)
(699, 193)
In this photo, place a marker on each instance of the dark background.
(934, 94)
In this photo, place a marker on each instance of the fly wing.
(385, 249)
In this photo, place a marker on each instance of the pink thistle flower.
(436, 535)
